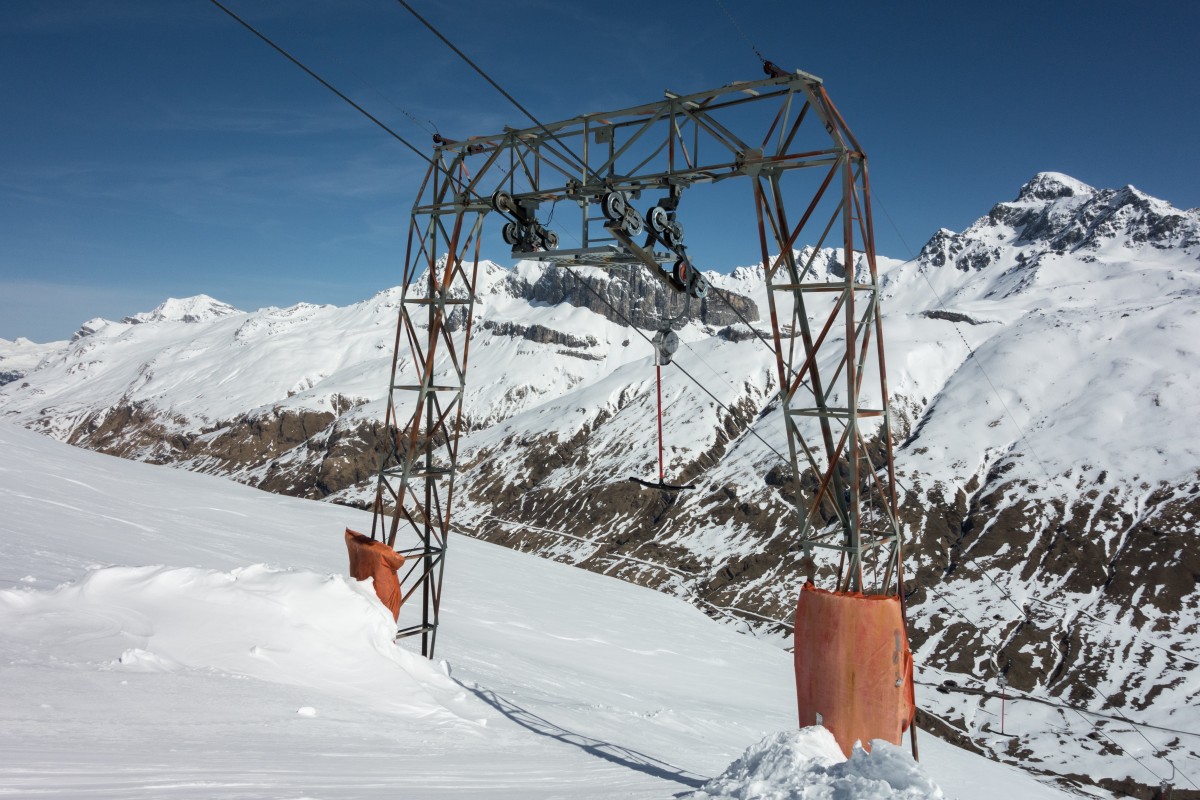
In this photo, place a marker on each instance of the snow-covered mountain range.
(1041, 368)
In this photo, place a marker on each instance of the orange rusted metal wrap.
(373, 559)
(853, 666)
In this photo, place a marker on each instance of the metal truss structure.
(631, 174)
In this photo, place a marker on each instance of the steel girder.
(827, 334)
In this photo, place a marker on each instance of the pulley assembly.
(666, 342)
(527, 236)
(661, 226)
(523, 231)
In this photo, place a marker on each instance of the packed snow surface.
(168, 634)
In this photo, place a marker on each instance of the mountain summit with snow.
(1041, 381)
(1055, 215)
(200, 308)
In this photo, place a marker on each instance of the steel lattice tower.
(631, 172)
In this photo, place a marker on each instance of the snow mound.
(139, 660)
(808, 765)
(294, 627)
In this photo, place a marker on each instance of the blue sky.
(155, 149)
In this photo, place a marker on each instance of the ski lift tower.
(630, 174)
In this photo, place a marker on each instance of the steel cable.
(324, 82)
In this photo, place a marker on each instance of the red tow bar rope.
(658, 376)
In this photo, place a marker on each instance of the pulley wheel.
(502, 201)
(614, 205)
(549, 240)
(658, 219)
(697, 284)
(670, 343)
(511, 233)
(681, 273)
(673, 235)
(632, 222)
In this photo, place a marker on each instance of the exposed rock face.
(637, 298)
(288, 447)
(538, 333)
(301, 453)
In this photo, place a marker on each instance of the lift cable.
(736, 311)
(1019, 695)
(1090, 617)
(1136, 726)
(758, 335)
(427, 125)
(979, 629)
(691, 377)
(780, 455)
(574, 156)
(1024, 439)
(545, 130)
(549, 133)
(731, 612)
(728, 611)
(738, 27)
(324, 83)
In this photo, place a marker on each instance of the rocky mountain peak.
(1052, 186)
(91, 326)
(1057, 214)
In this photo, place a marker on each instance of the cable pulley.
(666, 342)
(658, 219)
(632, 222)
(614, 206)
(661, 226)
(511, 232)
(524, 233)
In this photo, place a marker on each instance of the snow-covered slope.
(1040, 368)
(174, 635)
